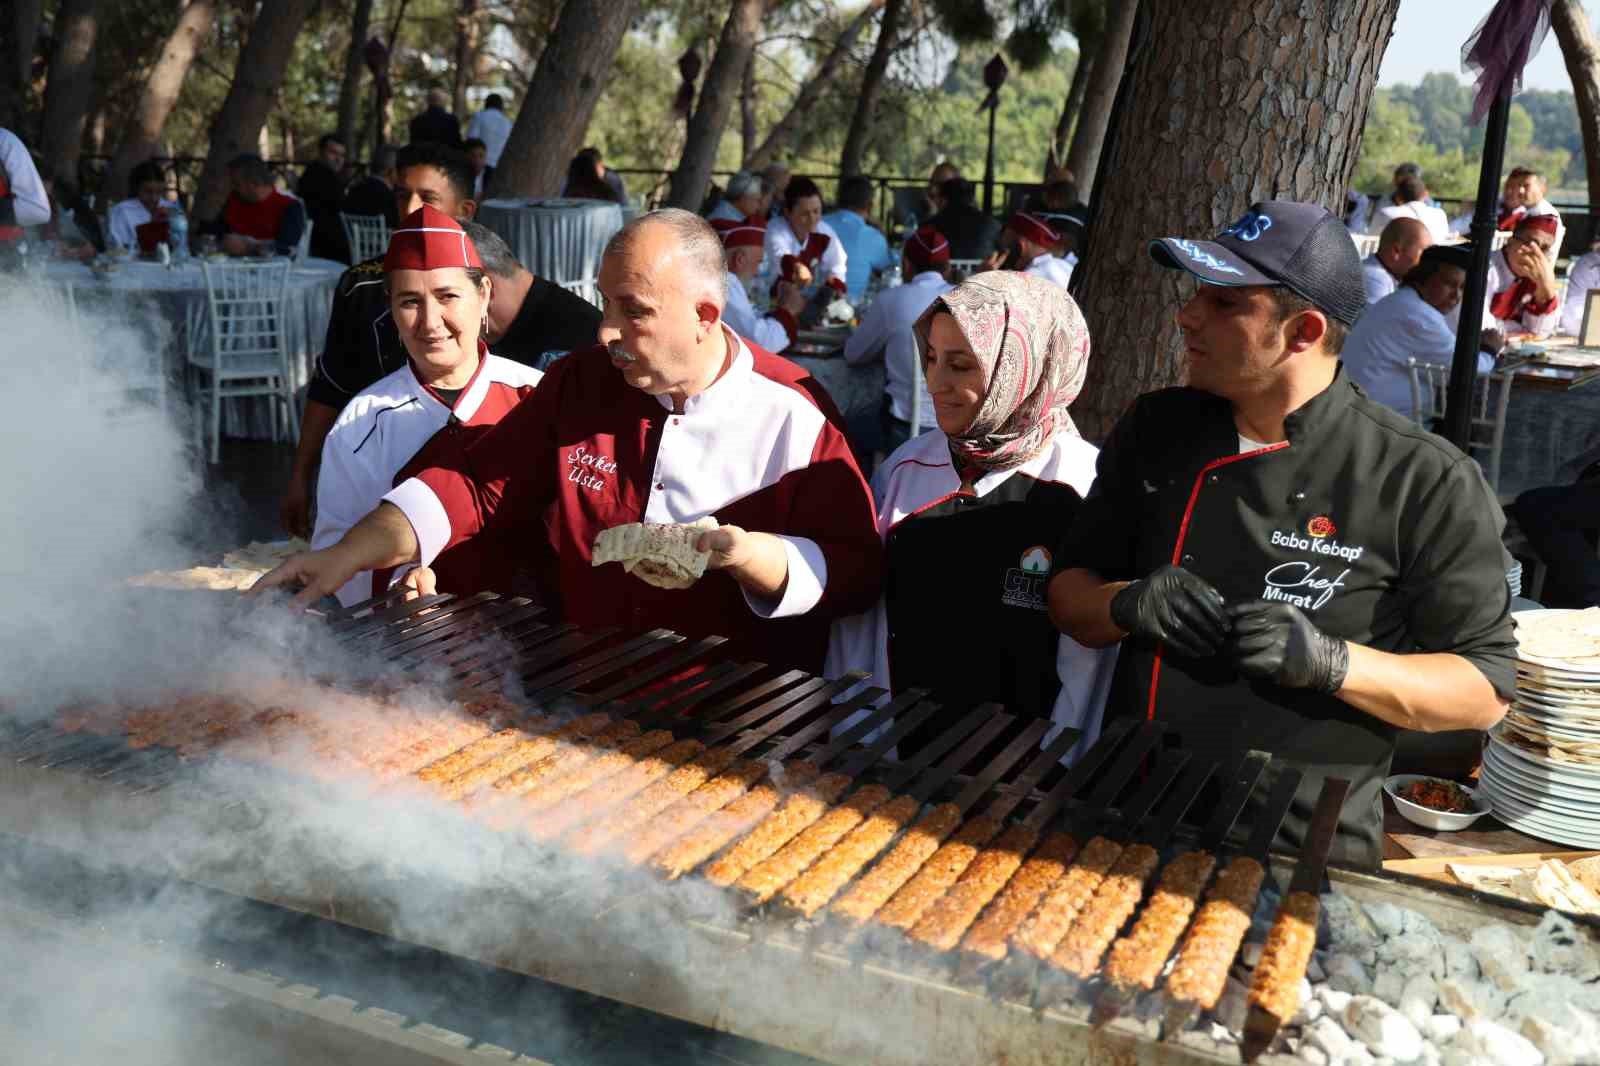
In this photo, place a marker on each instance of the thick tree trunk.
(1111, 55)
(1267, 102)
(1582, 54)
(244, 112)
(825, 74)
(468, 21)
(855, 141)
(572, 71)
(143, 132)
(1072, 105)
(21, 39)
(735, 48)
(354, 66)
(66, 94)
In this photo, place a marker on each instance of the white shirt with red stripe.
(822, 251)
(379, 431)
(774, 330)
(920, 475)
(588, 452)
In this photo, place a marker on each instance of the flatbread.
(263, 555)
(1587, 871)
(657, 553)
(198, 577)
(1560, 634)
(1552, 883)
(1555, 886)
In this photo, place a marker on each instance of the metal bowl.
(1427, 817)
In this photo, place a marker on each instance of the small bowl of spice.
(1433, 802)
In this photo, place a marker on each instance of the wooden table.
(1409, 848)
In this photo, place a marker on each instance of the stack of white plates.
(1541, 770)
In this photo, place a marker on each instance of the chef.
(439, 297)
(1523, 296)
(774, 330)
(1286, 564)
(1028, 245)
(800, 247)
(672, 418)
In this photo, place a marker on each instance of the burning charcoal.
(1501, 954)
(1386, 918)
(1384, 1030)
(1558, 947)
(1329, 1036)
(1441, 1028)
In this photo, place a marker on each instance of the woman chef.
(969, 515)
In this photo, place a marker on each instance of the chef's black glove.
(1276, 642)
(1176, 608)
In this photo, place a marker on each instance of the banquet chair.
(1366, 243)
(588, 288)
(368, 235)
(962, 269)
(1491, 396)
(246, 354)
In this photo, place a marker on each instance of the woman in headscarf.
(970, 514)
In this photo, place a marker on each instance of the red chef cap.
(1034, 228)
(429, 239)
(1543, 223)
(927, 249)
(746, 234)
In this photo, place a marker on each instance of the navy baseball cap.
(1302, 247)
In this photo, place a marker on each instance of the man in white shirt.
(1583, 275)
(801, 248)
(149, 183)
(885, 332)
(1399, 248)
(1409, 324)
(1410, 200)
(776, 329)
(23, 200)
(743, 199)
(1029, 244)
(492, 127)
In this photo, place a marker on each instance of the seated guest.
(1400, 246)
(865, 247)
(439, 296)
(671, 418)
(374, 194)
(1561, 521)
(972, 233)
(257, 219)
(1028, 244)
(1410, 200)
(801, 248)
(1461, 225)
(1521, 287)
(742, 199)
(492, 127)
(776, 329)
(147, 184)
(1006, 470)
(1411, 323)
(1582, 276)
(531, 320)
(320, 189)
(607, 174)
(885, 333)
(478, 156)
(585, 181)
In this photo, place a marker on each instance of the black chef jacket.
(1382, 533)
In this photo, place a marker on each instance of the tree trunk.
(66, 95)
(1072, 105)
(244, 112)
(1582, 54)
(354, 65)
(747, 108)
(805, 100)
(467, 24)
(735, 49)
(142, 133)
(1094, 118)
(1220, 113)
(855, 142)
(21, 39)
(555, 114)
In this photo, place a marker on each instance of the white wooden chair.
(368, 235)
(1491, 396)
(961, 269)
(1366, 243)
(246, 355)
(588, 288)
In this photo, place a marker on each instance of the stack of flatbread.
(1573, 636)
(659, 554)
(1573, 887)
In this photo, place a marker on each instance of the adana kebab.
(608, 787)
(523, 753)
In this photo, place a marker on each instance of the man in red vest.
(257, 219)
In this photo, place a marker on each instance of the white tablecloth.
(174, 295)
(557, 239)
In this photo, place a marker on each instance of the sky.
(1428, 35)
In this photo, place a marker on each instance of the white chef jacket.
(886, 328)
(1389, 334)
(1051, 268)
(919, 475)
(1583, 275)
(382, 427)
(1501, 278)
(1434, 218)
(492, 127)
(773, 330)
(31, 205)
(823, 251)
(1376, 279)
(124, 222)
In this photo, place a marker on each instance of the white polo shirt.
(1388, 335)
(886, 329)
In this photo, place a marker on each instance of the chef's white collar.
(725, 392)
(472, 394)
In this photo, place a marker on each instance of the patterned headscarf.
(1033, 344)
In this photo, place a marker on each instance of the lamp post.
(994, 76)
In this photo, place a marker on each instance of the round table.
(559, 239)
(178, 297)
(1551, 435)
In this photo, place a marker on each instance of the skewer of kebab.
(1201, 970)
(1135, 961)
(1275, 986)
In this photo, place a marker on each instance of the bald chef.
(671, 419)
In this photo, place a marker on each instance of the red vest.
(260, 220)
(8, 233)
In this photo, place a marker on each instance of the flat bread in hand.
(659, 554)
(216, 578)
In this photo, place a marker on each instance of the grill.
(947, 903)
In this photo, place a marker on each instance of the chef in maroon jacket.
(672, 418)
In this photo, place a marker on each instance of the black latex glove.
(1175, 608)
(1276, 642)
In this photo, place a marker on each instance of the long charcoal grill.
(767, 972)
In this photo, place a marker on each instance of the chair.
(368, 235)
(964, 268)
(246, 355)
(1366, 243)
(1491, 395)
(588, 288)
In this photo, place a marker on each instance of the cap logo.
(1250, 227)
(1195, 252)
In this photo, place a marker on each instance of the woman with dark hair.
(585, 182)
(801, 248)
(146, 203)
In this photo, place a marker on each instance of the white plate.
(1571, 801)
(1427, 817)
(1522, 817)
(1574, 774)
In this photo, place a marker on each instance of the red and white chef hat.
(927, 249)
(746, 233)
(429, 239)
(1544, 223)
(1033, 228)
